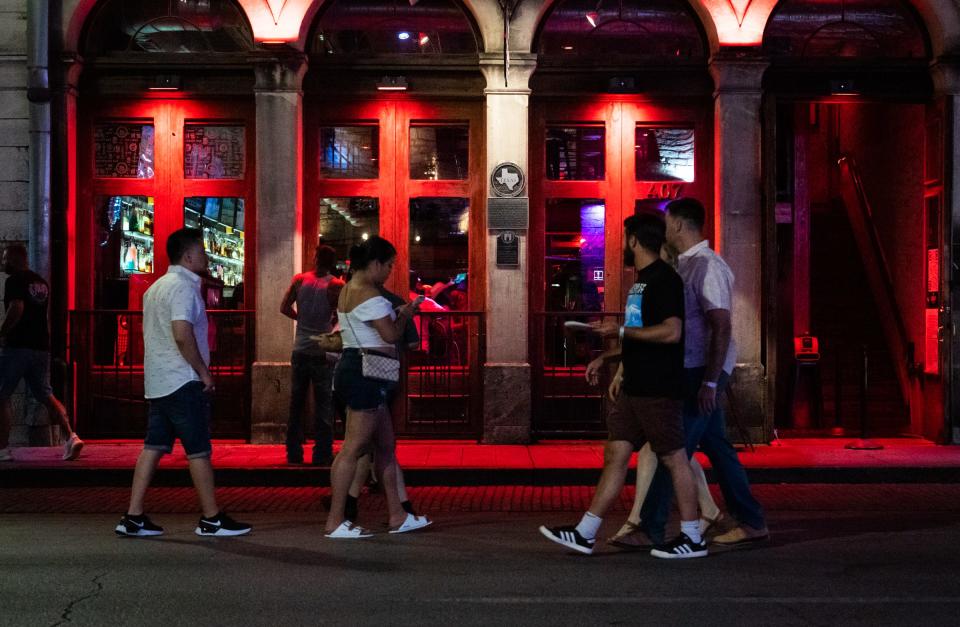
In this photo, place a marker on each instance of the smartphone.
(460, 278)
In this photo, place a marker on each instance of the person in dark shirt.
(25, 342)
(646, 392)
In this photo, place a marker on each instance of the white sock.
(589, 526)
(692, 529)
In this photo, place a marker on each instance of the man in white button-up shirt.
(709, 358)
(178, 384)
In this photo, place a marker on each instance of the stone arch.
(532, 15)
(309, 27)
(77, 16)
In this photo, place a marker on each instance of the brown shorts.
(642, 419)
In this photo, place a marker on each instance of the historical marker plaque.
(508, 249)
(508, 214)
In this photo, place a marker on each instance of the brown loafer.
(631, 537)
(742, 534)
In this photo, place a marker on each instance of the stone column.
(279, 106)
(738, 216)
(946, 77)
(506, 379)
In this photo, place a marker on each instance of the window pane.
(346, 221)
(213, 152)
(349, 152)
(574, 261)
(664, 154)
(124, 247)
(439, 153)
(123, 150)
(221, 220)
(439, 249)
(575, 153)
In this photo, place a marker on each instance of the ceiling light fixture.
(592, 18)
(424, 39)
(403, 35)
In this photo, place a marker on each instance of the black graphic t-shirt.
(651, 369)
(31, 331)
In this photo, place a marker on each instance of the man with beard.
(646, 389)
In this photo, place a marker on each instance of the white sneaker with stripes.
(680, 548)
(570, 538)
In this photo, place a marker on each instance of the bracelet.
(711, 384)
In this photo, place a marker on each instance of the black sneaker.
(680, 548)
(137, 527)
(570, 538)
(221, 525)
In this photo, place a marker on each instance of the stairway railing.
(878, 274)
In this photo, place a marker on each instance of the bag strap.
(346, 314)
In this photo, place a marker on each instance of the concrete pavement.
(839, 555)
(474, 569)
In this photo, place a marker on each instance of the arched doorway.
(621, 123)
(394, 147)
(855, 177)
(165, 139)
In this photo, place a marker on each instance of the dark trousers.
(710, 434)
(307, 370)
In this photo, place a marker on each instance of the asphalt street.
(475, 568)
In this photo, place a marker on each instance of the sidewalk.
(447, 462)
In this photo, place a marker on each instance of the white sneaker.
(6, 455)
(348, 531)
(72, 448)
(412, 523)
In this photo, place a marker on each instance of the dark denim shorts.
(27, 364)
(355, 390)
(185, 414)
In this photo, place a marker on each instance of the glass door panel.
(440, 249)
(350, 152)
(124, 247)
(345, 221)
(222, 223)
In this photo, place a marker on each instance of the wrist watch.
(711, 384)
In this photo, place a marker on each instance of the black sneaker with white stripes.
(570, 538)
(680, 548)
(221, 525)
(137, 527)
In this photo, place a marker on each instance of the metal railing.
(105, 355)
(564, 404)
(879, 277)
(443, 382)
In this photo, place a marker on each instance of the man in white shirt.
(177, 384)
(708, 361)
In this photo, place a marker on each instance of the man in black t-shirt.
(646, 392)
(25, 354)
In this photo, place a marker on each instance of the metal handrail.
(878, 274)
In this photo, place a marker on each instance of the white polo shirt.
(175, 296)
(707, 285)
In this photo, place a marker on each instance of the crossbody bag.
(376, 365)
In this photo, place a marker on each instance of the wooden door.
(593, 164)
(411, 172)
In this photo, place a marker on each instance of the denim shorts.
(358, 392)
(28, 364)
(185, 414)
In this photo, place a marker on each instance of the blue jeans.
(710, 433)
(307, 370)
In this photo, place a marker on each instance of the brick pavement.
(927, 497)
